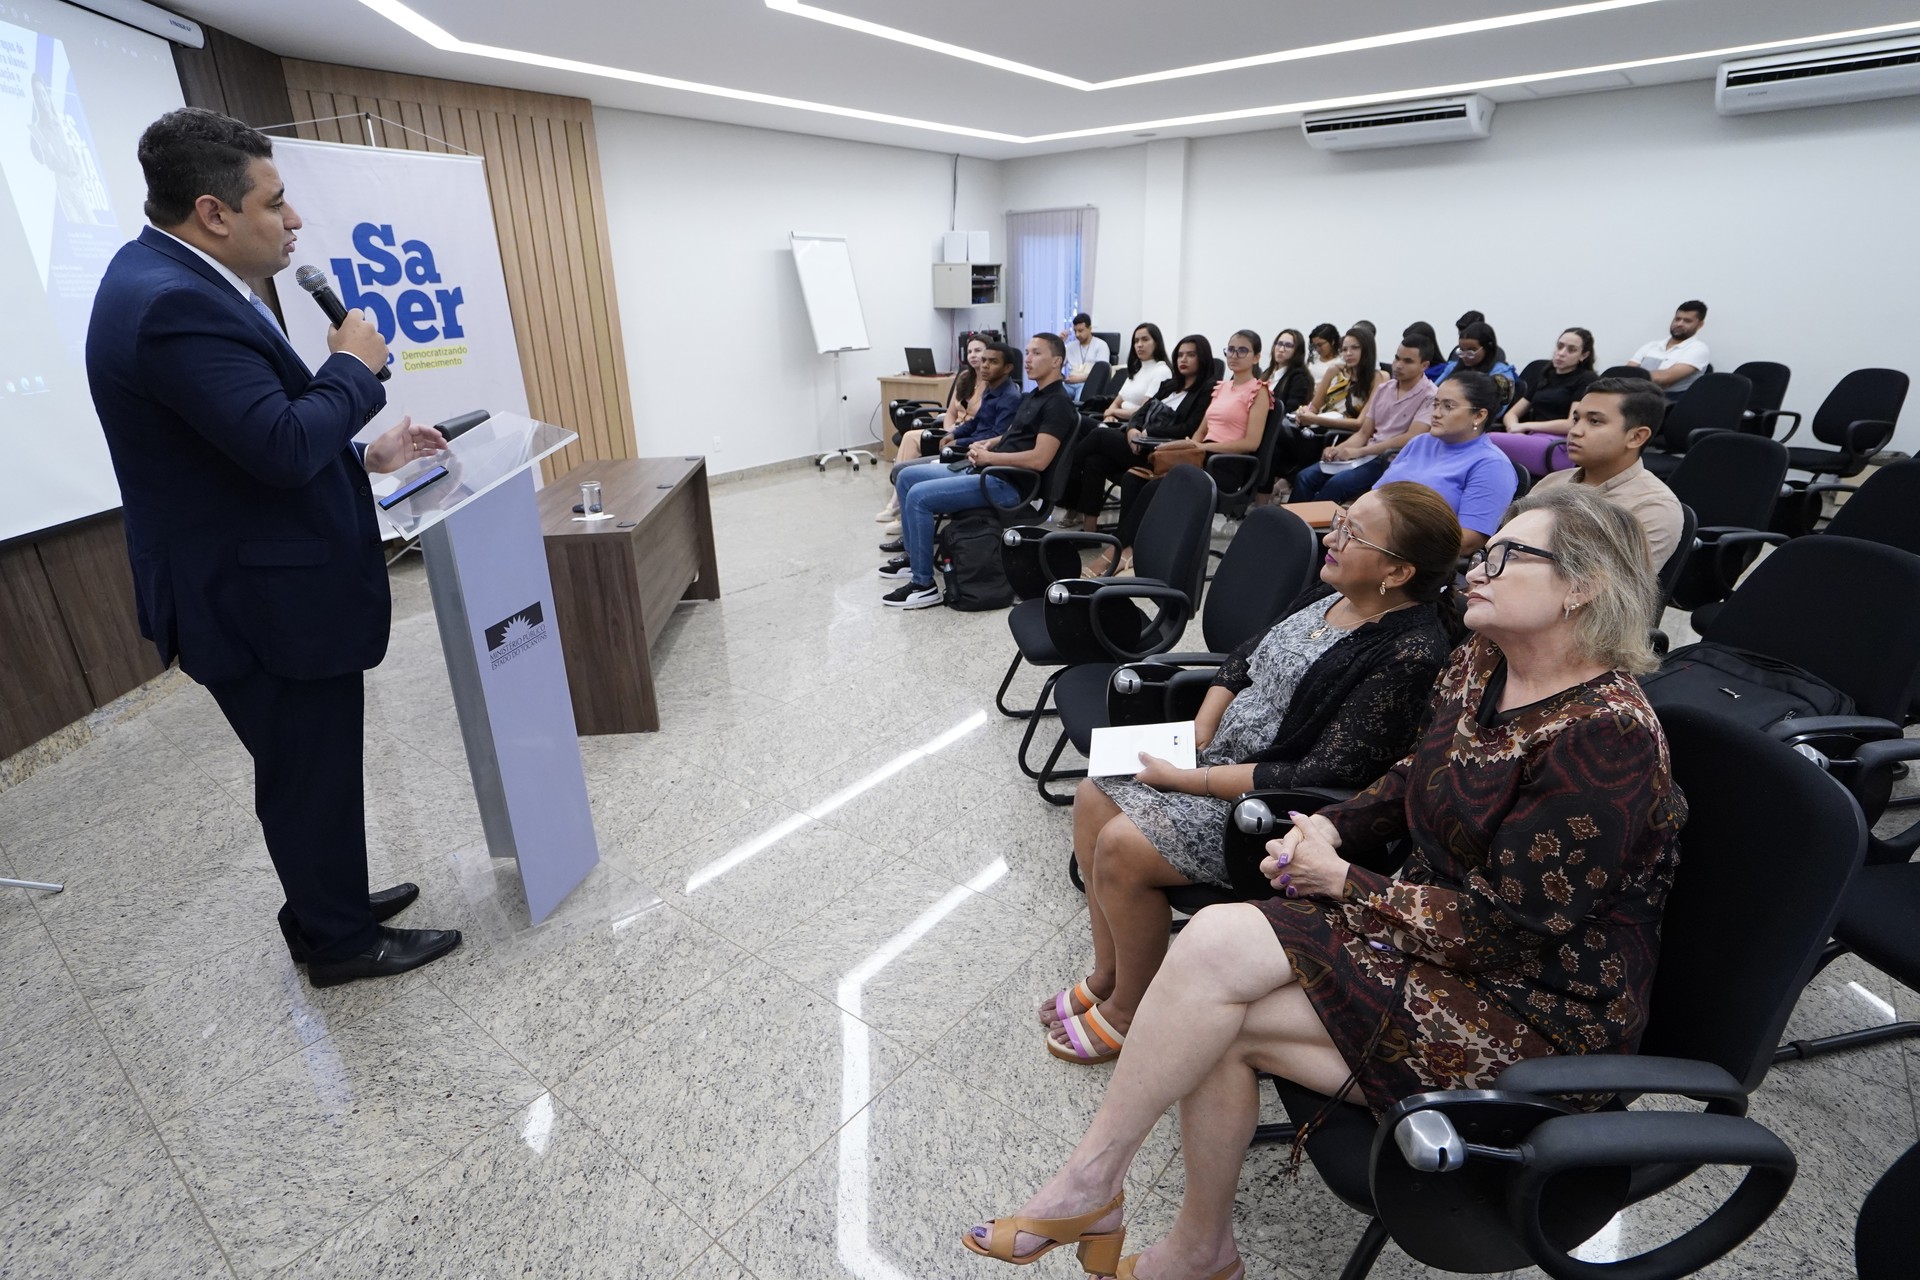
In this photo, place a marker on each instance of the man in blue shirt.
(997, 402)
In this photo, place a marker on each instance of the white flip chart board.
(833, 302)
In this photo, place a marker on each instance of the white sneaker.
(893, 530)
(911, 596)
(886, 514)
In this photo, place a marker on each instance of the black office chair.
(1769, 379)
(1238, 476)
(913, 415)
(1626, 371)
(1219, 368)
(1494, 1180)
(1072, 622)
(1732, 481)
(1116, 350)
(1523, 479)
(1887, 1236)
(1858, 418)
(1270, 561)
(1098, 379)
(1715, 402)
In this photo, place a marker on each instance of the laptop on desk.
(920, 362)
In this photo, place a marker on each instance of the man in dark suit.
(256, 556)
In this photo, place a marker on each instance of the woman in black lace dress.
(1330, 696)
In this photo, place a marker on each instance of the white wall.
(719, 350)
(1603, 211)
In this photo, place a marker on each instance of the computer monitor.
(920, 362)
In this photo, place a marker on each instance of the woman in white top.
(1147, 368)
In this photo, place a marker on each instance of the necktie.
(266, 313)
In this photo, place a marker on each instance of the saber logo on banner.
(408, 238)
(423, 315)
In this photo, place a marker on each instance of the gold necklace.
(1326, 623)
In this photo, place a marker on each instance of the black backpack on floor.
(973, 576)
(1736, 684)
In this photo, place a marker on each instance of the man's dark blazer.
(248, 514)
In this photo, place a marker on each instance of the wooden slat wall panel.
(42, 688)
(92, 583)
(548, 212)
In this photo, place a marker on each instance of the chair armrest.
(1807, 728)
(1026, 483)
(1729, 545)
(1886, 751)
(1868, 436)
(1077, 538)
(1715, 532)
(1694, 436)
(1770, 417)
(1611, 1140)
(1192, 659)
(1221, 465)
(1173, 604)
(1832, 486)
(1626, 1073)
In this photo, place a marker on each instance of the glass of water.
(590, 497)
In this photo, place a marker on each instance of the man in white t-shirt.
(1083, 352)
(1677, 363)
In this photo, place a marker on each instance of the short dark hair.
(1054, 344)
(1420, 334)
(1084, 318)
(191, 153)
(1694, 305)
(1641, 403)
(1007, 354)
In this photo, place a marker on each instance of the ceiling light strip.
(441, 39)
(1472, 27)
(399, 14)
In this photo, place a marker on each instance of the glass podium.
(472, 509)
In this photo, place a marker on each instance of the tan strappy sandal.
(1099, 1251)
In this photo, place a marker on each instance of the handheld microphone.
(314, 281)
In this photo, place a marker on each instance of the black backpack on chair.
(973, 577)
(1736, 684)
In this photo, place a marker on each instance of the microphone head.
(310, 278)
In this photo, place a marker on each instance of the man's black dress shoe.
(894, 545)
(393, 951)
(386, 904)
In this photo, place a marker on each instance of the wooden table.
(615, 582)
(904, 386)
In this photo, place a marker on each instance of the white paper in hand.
(1116, 751)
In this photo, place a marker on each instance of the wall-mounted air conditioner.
(1399, 124)
(1819, 77)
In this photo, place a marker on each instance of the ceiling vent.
(1399, 124)
(1819, 77)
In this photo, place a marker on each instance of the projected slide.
(76, 89)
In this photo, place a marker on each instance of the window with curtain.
(1050, 256)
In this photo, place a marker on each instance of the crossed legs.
(1223, 1007)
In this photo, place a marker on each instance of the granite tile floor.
(784, 1030)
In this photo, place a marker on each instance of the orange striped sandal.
(1234, 1270)
(1091, 1037)
(1099, 1250)
(1077, 998)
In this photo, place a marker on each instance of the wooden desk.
(615, 582)
(904, 386)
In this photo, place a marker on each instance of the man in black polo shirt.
(1042, 423)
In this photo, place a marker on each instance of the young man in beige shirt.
(1611, 423)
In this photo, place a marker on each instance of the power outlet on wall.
(717, 446)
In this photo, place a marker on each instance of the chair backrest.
(1116, 352)
(1715, 401)
(1523, 479)
(1172, 543)
(1769, 845)
(1874, 394)
(1219, 368)
(1270, 561)
(1626, 371)
(1887, 1235)
(1731, 479)
(1676, 560)
(1884, 509)
(1848, 611)
(1530, 376)
(1769, 379)
(1097, 379)
(1053, 485)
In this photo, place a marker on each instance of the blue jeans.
(932, 491)
(1315, 485)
